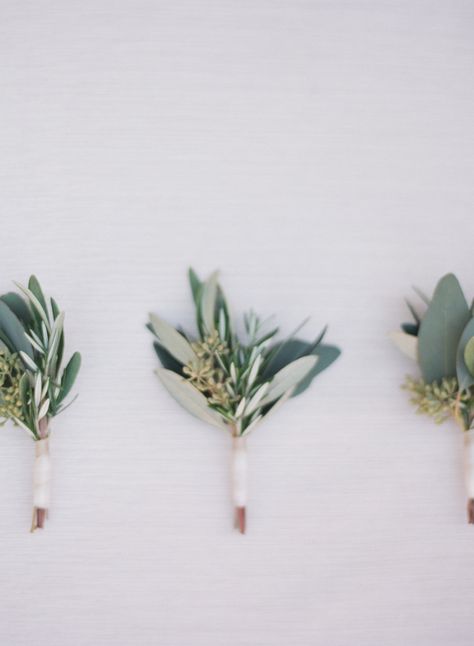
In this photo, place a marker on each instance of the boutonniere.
(441, 340)
(33, 384)
(233, 381)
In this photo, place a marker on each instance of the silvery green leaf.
(208, 302)
(172, 340)
(44, 409)
(38, 389)
(240, 407)
(35, 344)
(289, 377)
(406, 343)
(254, 403)
(24, 426)
(28, 362)
(189, 397)
(254, 370)
(252, 425)
(440, 330)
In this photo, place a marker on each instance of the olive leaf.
(440, 330)
(289, 377)
(208, 303)
(172, 340)
(189, 397)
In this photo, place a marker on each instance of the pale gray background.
(321, 154)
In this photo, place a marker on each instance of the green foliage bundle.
(228, 381)
(441, 340)
(33, 383)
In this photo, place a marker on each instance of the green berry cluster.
(11, 371)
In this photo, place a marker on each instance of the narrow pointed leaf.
(69, 376)
(208, 303)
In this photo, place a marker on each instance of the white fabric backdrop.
(320, 154)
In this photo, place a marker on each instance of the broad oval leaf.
(469, 356)
(13, 330)
(18, 306)
(172, 340)
(406, 343)
(465, 379)
(189, 397)
(440, 330)
(289, 377)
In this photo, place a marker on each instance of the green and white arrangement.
(441, 340)
(33, 384)
(234, 381)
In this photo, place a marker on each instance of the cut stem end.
(240, 519)
(470, 511)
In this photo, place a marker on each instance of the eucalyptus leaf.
(465, 379)
(441, 329)
(189, 397)
(469, 356)
(18, 306)
(172, 340)
(14, 331)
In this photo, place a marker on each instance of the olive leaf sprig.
(232, 382)
(441, 340)
(34, 384)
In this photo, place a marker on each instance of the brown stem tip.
(39, 517)
(240, 519)
(470, 511)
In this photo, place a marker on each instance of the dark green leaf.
(167, 360)
(410, 328)
(196, 284)
(13, 330)
(441, 329)
(326, 354)
(18, 306)
(283, 353)
(69, 376)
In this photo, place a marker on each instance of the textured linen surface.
(321, 154)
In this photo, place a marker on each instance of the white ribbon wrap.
(239, 471)
(469, 461)
(42, 475)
